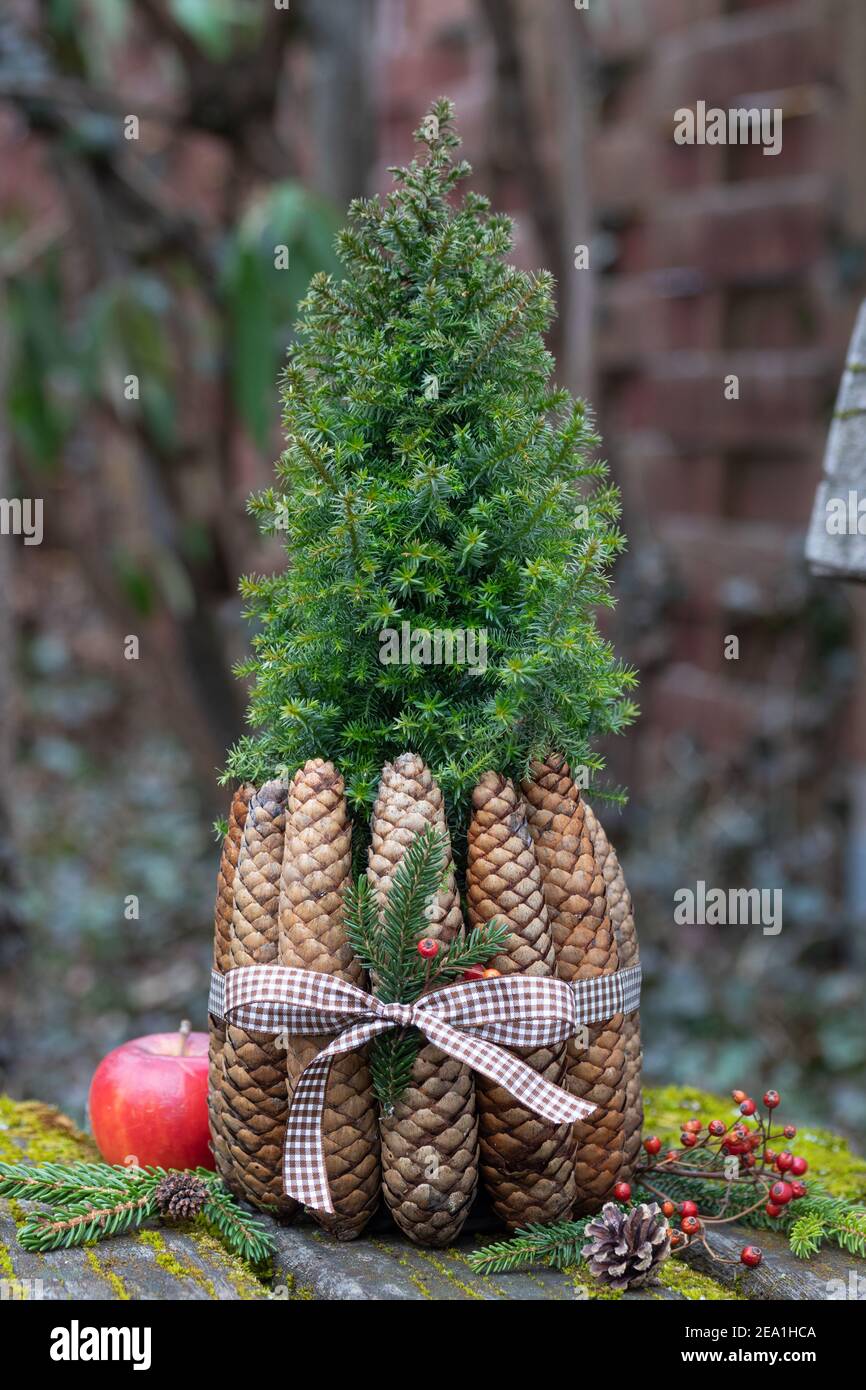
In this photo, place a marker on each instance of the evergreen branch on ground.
(92, 1201)
(557, 1245)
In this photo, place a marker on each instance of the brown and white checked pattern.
(466, 1021)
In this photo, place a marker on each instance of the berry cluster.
(704, 1156)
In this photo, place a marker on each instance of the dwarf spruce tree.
(439, 500)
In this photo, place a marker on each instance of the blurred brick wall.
(706, 261)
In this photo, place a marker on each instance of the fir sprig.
(557, 1245)
(92, 1201)
(386, 943)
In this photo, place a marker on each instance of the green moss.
(831, 1163)
(104, 1272)
(298, 1293)
(177, 1268)
(446, 1273)
(7, 1268)
(588, 1288)
(242, 1279)
(29, 1129)
(675, 1274)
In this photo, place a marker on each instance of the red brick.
(745, 231)
(755, 51)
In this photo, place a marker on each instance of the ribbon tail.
(305, 1175)
(540, 1096)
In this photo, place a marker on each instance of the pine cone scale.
(316, 873)
(526, 1164)
(430, 1142)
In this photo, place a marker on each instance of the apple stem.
(184, 1031)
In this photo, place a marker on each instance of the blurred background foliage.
(143, 319)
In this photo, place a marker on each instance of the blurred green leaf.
(262, 296)
(217, 25)
(39, 413)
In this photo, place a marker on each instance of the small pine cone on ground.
(430, 1143)
(622, 915)
(253, 1086)
(316, 873)
(527, 1165)
(575, 893)
(223, 910)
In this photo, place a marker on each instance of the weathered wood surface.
(168, 1263)
(844, 478)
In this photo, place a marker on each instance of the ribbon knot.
(400, 1014)
(466, 1021)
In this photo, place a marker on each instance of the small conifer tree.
(434, 483)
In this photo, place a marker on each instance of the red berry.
(784, 1161)
(671, 1156)
(789, 1131)
(740, 1130)
(676, 1239)
(490, 973)
(749, 1160)
(754, 1141)
(739, 1096)
(748, 1107)
(771, 1099)
(428, 948)
(690, 1224)
(687, 1140)
(622, 1192)
(688, 1208)
(781, 1193)
(799, 1189)
(750, 1255)
(799, 1166)
(668, 1208)
(716, 1127)
(772, 1210)
(770, 1155)
(653, 1144)
(693, 1126)
(474, 972)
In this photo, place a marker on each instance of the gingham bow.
(467, 1021)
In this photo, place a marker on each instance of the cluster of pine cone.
(540, 863)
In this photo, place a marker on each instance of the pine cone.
(526, 1164)
(625, 1248)
(575, 893)
(430, 1143)
(223, 910)
(316, 872)
(180, 1195)
(253, 1086)
(622, 915)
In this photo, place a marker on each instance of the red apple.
(148, 1102)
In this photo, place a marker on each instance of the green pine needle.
(386, 943)
(92, 1201)
(557, 1245)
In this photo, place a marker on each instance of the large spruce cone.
(622, 915)
(430, 1142)
(253, 1086)
(223, 910)
(316, 872)
(575, 893)
(625, 1248)
(526, 1164)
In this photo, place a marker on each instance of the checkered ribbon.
(467, 1021)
